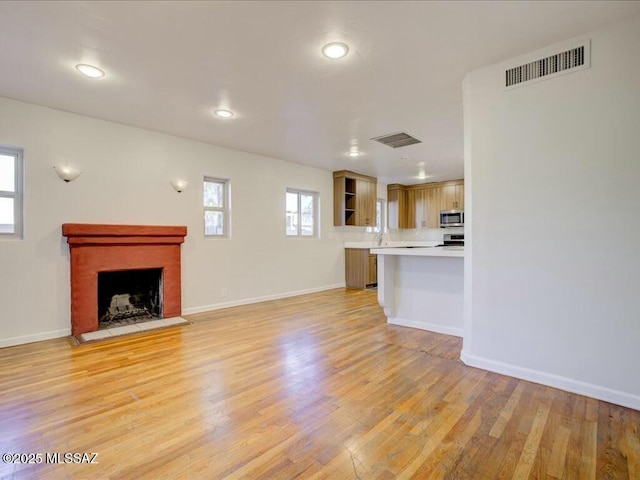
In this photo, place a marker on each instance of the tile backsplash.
(431, 234)
(360, 234)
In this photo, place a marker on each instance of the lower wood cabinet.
(372, 272)
(361, 268)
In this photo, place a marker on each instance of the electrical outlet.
(224, 292)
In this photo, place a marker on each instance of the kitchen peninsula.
(422, 287)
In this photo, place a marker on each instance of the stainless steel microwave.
(451, 218)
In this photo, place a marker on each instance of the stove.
(453, 241)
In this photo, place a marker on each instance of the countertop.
(419, 252)
(391, 244)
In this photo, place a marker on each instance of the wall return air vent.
(396, 140)
(567, 61)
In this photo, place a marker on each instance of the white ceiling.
(170, 64)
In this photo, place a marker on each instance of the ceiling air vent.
(396, 140)
(569, 61)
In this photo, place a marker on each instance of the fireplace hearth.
(107, 255)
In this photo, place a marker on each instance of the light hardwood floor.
(310, 387)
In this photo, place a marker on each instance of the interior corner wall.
(125, 180)
(553, 178)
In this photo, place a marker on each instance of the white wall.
(552, 198)
(126, 180)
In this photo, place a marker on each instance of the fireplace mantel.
(102, 248)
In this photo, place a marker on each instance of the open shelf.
(354, 199)
(349, 217)
(349, 186)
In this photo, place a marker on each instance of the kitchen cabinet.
(452, 195)
(354, 199)
(361, 268)
(400, 207)
(372, 272)
(427, 206)
(418, 206)
(366, 196)
(411, 208)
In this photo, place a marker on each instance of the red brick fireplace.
(106, 248)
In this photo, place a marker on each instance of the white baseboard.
(563, 383)
(38, 337)
(266, 298)
(432, 327)
(9, 342)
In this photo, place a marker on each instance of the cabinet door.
(460, 197)
(356, 264)
(432, 207)
(448, 197)
(452, 197)
(394, 211)
(400, 204)
(427, 208)
(421, 211)
(365, 203)
(411, 210)
(372, 274)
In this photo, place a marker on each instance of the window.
(380, 218)
(217, 212)
(302, 213)
(10, 192)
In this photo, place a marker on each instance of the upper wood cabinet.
(452, 195)
(411, 208)
(398, 207)
(418, 206)
(366, 196)
(427, 207)
(354, 199)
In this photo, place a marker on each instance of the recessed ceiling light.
(335, 50)
(90, 70)
(423, 176)
(354, 153)
(224, 113)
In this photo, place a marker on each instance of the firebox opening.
(129, 296)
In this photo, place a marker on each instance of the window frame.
(18, 194)
(382, 228)
(225, 209)
(316, 213)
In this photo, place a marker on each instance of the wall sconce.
(67, 173)
(179, 185)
